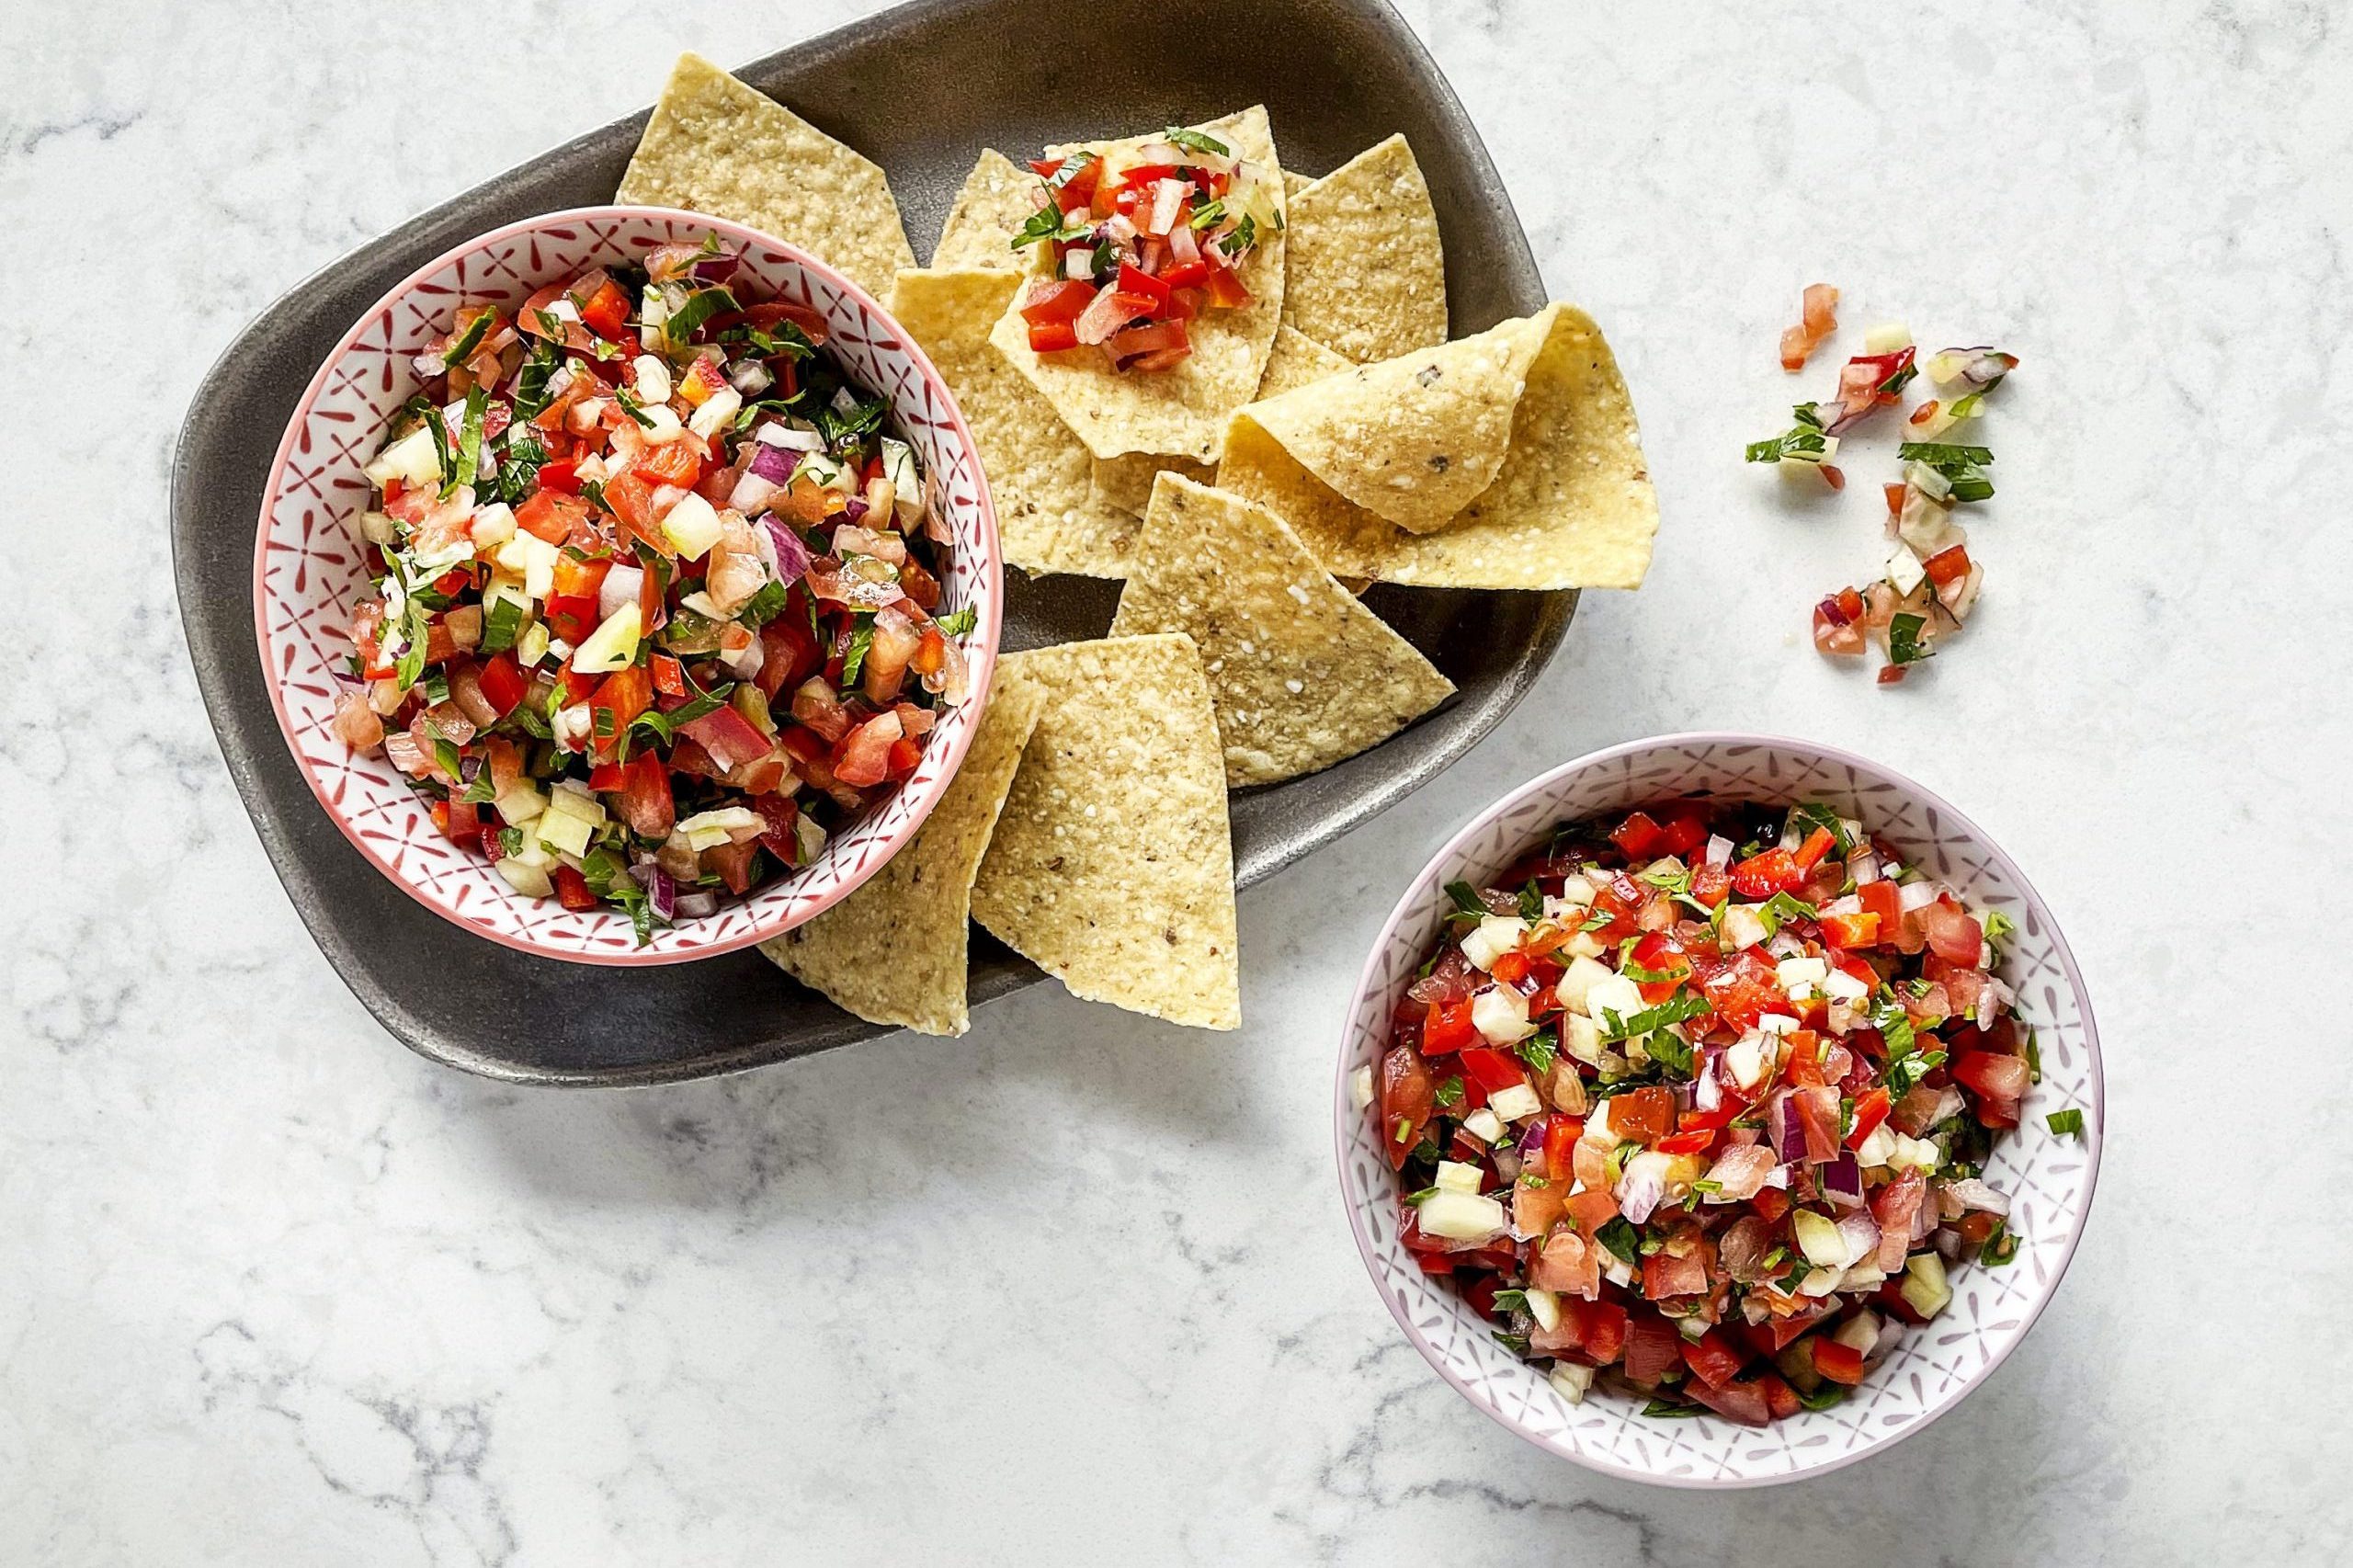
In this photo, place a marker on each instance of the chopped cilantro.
(1538, 1051)
(1674, 1010)
(1532, 902)
(1449, 1093)
(2066, 1123)
(1905, 645)
(854, 660)
(1047, 225)
(631, 406)
(1196, 141)
(764, 605)
(461, 351)
(694, 310)
(1780, 907)
(956, 622)
(1621, 1238)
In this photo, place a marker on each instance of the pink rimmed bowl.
(2049, 1178)
(308, 575)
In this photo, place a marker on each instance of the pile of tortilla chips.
(1323, 436)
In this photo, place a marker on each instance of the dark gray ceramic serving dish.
(920, 89)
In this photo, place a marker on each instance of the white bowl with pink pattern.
(308, 575)
(2049, 1178)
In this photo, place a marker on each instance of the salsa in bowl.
(1709, 1132)
(629, 585)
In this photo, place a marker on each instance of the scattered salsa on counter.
(1143, 240)
(1698, 1098)
(658, 591)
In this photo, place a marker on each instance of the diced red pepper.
(1637, 836)
(1052, 338)
(1449, 1028)
(1839, 1363)
(572, 890)
(1494, 1070)
(1870, 1109)
(1713, 1358)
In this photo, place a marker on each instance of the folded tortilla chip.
(1365, 273)
(1303, 676)
(1112, 868)
(1046, 515)
(1180, 412)
(998, 198)
(1125, 483)
(1294, 183)
(1568, 504)
(895, 951)
(716, 145)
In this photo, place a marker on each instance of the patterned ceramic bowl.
(2049, 1178)
(308, 575)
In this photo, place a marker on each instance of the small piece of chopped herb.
(765, 605)
(2033, 1058)
(1904, 1072)
(1532, 902)
(854, 660)
(1209, 214)
(518, 469)
(2068, 1123)
(694, 310)
(461, 351)
(531, 380)
(1905, 645)
(2000, 1247)
(1511, 1300)
(1669, 1410)
(1467, 905)
(1804, 441)
(1674, 1010)
(631, 406)
(1621, 1238)
(1670, 1050)
(1514, 1343)
(469, 464)
(1244, 235)
(510, 841)
(446, 754)
(1894, 1025)
(839, 428)
(1821, 1398)
(1449, 1093)
(1997, 926)
(1959, 464)
(956, 622)
(1781, 907)
(1809, 814)
(1538, 1051)
(1418, 1198)
(1047, 225)
(1196, 141)
(782, 340)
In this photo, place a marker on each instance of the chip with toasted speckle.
(716, 145)
(1301, 674)
(1534, 412)
(1112, 868)
(1365, 274)
(895, 951)
(1180, 412)
(1297, 360)
(998, 198)
(1047, 516)
(1125, 483)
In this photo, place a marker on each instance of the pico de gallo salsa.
(1143, 240)
(1698, 1099)
(657, 590)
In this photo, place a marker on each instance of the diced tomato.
(1992, 1076)
(1713, 1358)
(728, 736)
(571, 615)
(560, 475)
(1560, 1135)
(1509, 969)
(1688, 1143)
(790, 653)
(1745, 991)
(1881, 898)
(615, 706)
(1600, 1329)
(669, 676)
(630, 499)
(1059, 302)
(1781, 1401)
(1493, 1070)
(1653, 1348)
(1638, 836)
(733, 863)
(606, 775)
(1744, 1402)
(1771, 1204)
(672, 462)
(1135, 280)
(1711, 885)
(1666, 1275)
(645, 802)
(1839, 1363)
(1225, 290)
(1763, 875)
(579, 578)
(1186, 274)
(572, 890)
(1645, 1115)
(504, 682)
(1870, 1109)
(1661, 954)
(1051, 337)
(606, 312)
(1684, 832)
(1409, 1095)
(551, 516)
(1161, 342)
(1449, 1028)
(1850, 930)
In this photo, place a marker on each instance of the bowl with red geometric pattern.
(2048, 1176)
(311, 571)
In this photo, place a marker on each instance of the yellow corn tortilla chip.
(1301, 674)
(1046, 515)
(998, 198)
(1124, 482)
(1180, 412)
(1297, 360)
(716, 145)
(1570, 504)
(1294, 183)
(1365, 274)
(894, 952)
(1112, 868)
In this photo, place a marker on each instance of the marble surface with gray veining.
(1076, 1289)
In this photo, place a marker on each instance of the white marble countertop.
(1077, 1288)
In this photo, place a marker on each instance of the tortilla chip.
(716, 145)
(1037, 470)
(1297, 360)
(894, 952)
(1294, 183)
(1365, 274)
(1303, 676)
(1570, 504)
(1180, 412)
(1125, 481)
(997, 199)
(1112, 868)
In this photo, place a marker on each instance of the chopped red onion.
(1707, 1093)
(791, 439)
(792, 557)
(1787, 1127)
(660, 891)
(856, 510)
(718, 269)
(1640, 1191)
(698, 905)
(773, 462)
(752, 493)
(1842, 1182)
(1975, 1194)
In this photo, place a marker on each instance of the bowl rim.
(1450, 853)
(984, 671)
